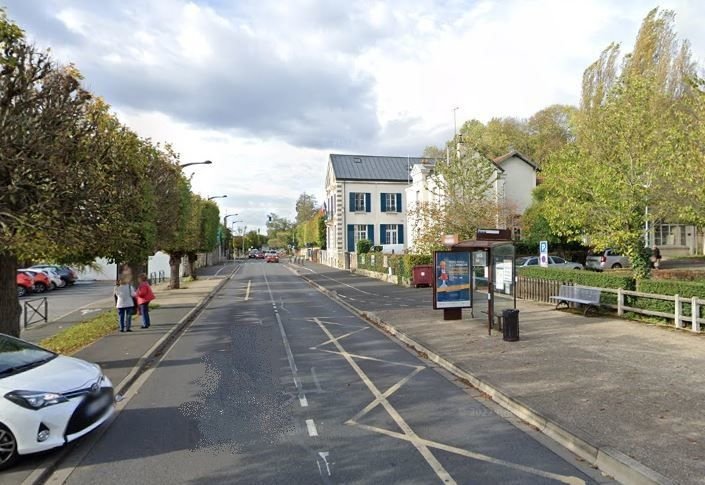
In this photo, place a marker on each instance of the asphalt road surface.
(64, 301)
(275, 383)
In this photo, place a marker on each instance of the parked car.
(41, 281)
(48, 399)
(66, 273)
(608, 259)
(56, 281)
(25, 284)
(554, 262)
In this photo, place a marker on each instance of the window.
(557, 260)
(670, 235)
(391, 202)
(392, 234)
(359, 202)
(360, 232)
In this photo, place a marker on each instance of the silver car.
(608, 259)
(554, 262)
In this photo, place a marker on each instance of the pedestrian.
(655, 258)
(144, 296)
(124, 294)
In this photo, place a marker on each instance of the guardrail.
(35, 311)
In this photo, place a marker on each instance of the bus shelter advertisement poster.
(452, 282)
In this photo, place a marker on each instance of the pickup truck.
(608, 259)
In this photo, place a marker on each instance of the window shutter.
(383, 202)
(352, 202)
(398, 202)
(383, 234)
(368, 202)
(400, 233)
(351, 238)
(371, 233)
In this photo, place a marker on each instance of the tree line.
(77, 184)
(308, 229)
(629, 156)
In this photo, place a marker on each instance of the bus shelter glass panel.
(503, 277)
(480, 275)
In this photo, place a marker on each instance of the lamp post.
(207, 162)
(225, 219)
(217, 197)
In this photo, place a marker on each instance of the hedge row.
(583, 278)
(401, 265)
(684, 289)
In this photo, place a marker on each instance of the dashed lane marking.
(312, 431)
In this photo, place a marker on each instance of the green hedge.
(578, 277)
(401, 265)
(684, 289)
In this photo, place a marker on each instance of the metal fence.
(35, 311)
(538, 289)
(157, 277)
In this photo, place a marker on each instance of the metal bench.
(590, 297)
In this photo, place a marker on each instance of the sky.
(266, 89)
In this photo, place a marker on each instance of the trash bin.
(510, 329)
(422, 275)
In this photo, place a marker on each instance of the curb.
(621, 467)
(42, 473)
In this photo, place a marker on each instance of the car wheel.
(616, 266)
(40, 287)
(8, 448)
(21, 291)
(577, 268)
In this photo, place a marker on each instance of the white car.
(46, 399)
(56, 281)
(554, 262)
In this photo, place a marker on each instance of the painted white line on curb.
(312, 431)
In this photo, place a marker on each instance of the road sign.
(543, 253)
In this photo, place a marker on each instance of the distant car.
(271, 258)
(25, 284)
(608, 259)
(41, 280)
(554, 262)
(260, 255)
(252, 255)
(66, 273)
(47, 399)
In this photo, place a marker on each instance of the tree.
(639, 137)
(53, 185)
(306, 207)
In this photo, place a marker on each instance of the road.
(275, 383)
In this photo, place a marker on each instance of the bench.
(590, 297)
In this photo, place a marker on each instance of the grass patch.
(82, 334)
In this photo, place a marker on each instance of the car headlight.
(35, 399)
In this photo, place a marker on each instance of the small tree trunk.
(192, 258)
(10, 309)
(175, 268)
(137, 269)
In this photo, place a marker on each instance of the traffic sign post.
(543, 254)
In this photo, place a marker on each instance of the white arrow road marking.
(324, 455)
(90, 310)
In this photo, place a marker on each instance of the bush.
(684, 289)
(363, 246)
(583, 278)
(377, 249)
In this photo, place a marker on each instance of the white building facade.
(366, 199)
(513, 182)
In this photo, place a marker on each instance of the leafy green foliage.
(584, 278)
(363, 246)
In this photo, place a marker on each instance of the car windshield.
(17, 355)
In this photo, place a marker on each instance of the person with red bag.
(144, 295)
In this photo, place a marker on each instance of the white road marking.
(90, 310)
(440, 471)
(303, 401)
(324, 455)
(287, 347)
(247, 292)
(345, 284)
(338, 338)
(315, 379)
(312, 431)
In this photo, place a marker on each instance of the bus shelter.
(492, 276)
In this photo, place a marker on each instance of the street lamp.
(207, 162)
(225, 219)
(217, 197)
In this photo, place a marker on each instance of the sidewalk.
(616, 384)
(119, 353)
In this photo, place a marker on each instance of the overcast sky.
(268, 88)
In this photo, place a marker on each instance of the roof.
(515, 153)
(475, 244)
(374, 168)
